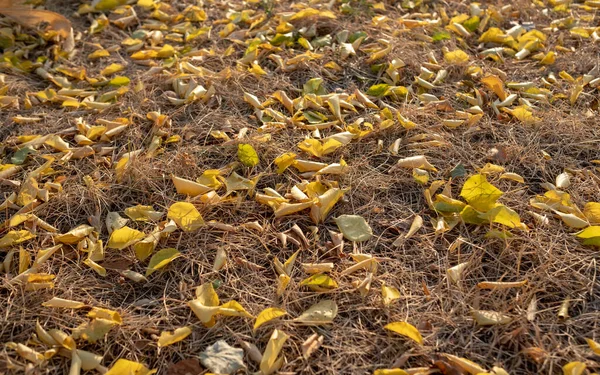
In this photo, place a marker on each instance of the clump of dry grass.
(556, 265)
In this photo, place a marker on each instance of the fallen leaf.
(267, 315)
(574, 368)
(188, 187)
(74, 235)
(490, 318)
(167, 338)
(124, 237)
(161, 259)
(125, 367)
(389, 294)
(320, 282)
(15, 237)
(480, 193)
(320, 313)
(63, 303)
(143, 213)
(405, 329)
(247, 155)
(594, 346)
(419, 161)
(221, 358)
(354, 227)
(271, 361)
(186, 216)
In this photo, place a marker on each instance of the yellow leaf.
(419, 161)
(523, 114)
(282, 282)
(456, 57)
(125, 367)
(311, 12)
(186, 216)
(469, 366)
(594, 346)
(284, 208)
(320, 313)
(233, 308)
(417, 223)
(63, 303)
(236, 182)
(271, 361)
(548, 59)
(167, 338)
(161, 259)
(247, 155)
(499, 285)
(572, 220)
(95, 266)
(574, 368)
(124, 237)
(209, 178)
(94, 330)
(319, 282)
(206, 304)
(320, 148)
(512, 176)
(256, 70)
(324, 204)
(24, 260)
(112, 69)
(29, 354)
(284, 161)
(389, 294)
(490, 318)
(110, 315)
(495, 35)
(455, 273)
(405, 329)
(496, 85)
(15, 237)
(503, 215)
(590, 235)
(479, 193)
(143, 213)
(267, 315)
(188, 187)
(394, 371)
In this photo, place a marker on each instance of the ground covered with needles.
(321, 187)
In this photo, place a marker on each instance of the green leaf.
(21, 155)
(314, 86)
(161, 259)
(119, 81)
(279, 39)
(103, 5)
(354, 227)
(314, 117)
(458, 171)
(438, 36)
(356, 35)
(472, 23)
(247, 155)
(378, 90)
